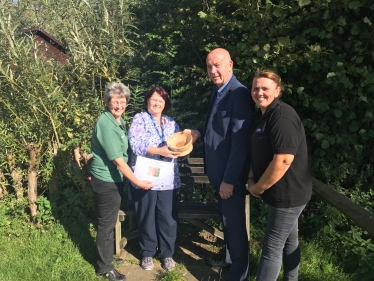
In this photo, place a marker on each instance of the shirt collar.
(271, 107)
(224, 86)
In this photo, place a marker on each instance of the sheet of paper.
(158, 172)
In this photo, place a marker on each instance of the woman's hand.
(252, 188)
(146, 185)
(194, 133)
(166, 152)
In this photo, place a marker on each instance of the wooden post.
(117, 239)
(248, 215)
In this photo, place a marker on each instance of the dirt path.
(191, 248)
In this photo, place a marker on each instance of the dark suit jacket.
(225, 135)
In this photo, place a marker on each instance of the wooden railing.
(360, 216)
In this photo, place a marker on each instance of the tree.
(49, 107)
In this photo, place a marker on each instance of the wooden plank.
(195, 161)
(361, 217)
(201, 216)
(196, 210)
(191, 170)
(206, 227)
(123, 243)
(194, 179)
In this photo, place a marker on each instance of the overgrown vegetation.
(323, 50)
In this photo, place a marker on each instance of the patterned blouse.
(145, 132)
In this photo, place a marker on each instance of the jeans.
(108, 200)
(280, 243)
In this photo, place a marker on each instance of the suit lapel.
(211, 105)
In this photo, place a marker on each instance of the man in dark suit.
(226, 158)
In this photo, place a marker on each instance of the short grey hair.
(118, 89)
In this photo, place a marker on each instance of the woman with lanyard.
(156, 209)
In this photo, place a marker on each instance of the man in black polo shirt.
(279, 175)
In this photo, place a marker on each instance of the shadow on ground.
(192, 247)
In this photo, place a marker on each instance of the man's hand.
(194, 133)
(226, 190)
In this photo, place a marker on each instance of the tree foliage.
(322, 49)
(49, 106)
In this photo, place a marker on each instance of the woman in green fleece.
(108, 169)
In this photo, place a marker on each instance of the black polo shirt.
(280, 131)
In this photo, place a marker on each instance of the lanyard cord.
(161, 136)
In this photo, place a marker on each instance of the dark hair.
(272, 76)
(159, 90)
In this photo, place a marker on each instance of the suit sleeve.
(240, 122)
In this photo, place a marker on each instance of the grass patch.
(316, 264)
(44, 255)
(66, 252)
(177, 274)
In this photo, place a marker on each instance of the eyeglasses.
(122, 103)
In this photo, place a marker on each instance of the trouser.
(108, 200)
(280, 243)
(157, 216)
(232, 216)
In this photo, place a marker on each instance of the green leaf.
(267, 48)
(303, 2)
(354, 5)
(330, 74)
(277, 13)
(294, 8)
(354, 126)
(355, 30)
(307, 122)
(300, 90)
(338, 113)
(363, 98)
(315, 48)
(255, 48)
(284, 41)
(325, 144)
(202, 15)
(366, 20)
(319, 136)
(322, 34)
(210, 18)
(261, 53)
